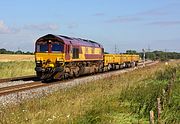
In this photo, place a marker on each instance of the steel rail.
(24, 78)
(20, 87)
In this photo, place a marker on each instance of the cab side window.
(75, 53)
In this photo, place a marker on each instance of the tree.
(131, 52)
(151, 55)
(19, 52)
(4, 51)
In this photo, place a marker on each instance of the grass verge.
(126, 98)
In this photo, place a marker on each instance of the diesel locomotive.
(59, 56)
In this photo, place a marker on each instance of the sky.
(126, 24)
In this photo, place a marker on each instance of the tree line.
(4, 51)
(157, 55)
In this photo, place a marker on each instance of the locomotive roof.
(72, 40)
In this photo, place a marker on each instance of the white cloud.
(41, 27)
(165, 23)
(123, 19)
(3, 28)
(72, 26)
(99, 14)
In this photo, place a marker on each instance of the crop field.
(16, 65)
(16, 69)
(10, 57)
(127, 98)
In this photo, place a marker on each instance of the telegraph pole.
(118, 51)
(115, 49)
(144, 55)
(149, 48)
(165, 54)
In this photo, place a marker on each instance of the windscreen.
(57, 47)
(49, 46)
(42, 47)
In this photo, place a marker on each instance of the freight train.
(59, 57)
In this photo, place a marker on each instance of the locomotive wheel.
(76, 74)
(132, 64)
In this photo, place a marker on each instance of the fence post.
(163, 98)
(151, 117)
(159, 109)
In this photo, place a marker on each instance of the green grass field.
(123, 99)
(16, 68)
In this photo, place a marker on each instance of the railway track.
(23, 78)
(34, 78)
(32, 85)
(21, 87)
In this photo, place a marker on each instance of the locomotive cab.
(49, 57)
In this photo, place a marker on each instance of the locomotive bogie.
(81, 68)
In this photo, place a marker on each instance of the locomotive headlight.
(59, 59)
(38, 62)
(39, 59)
